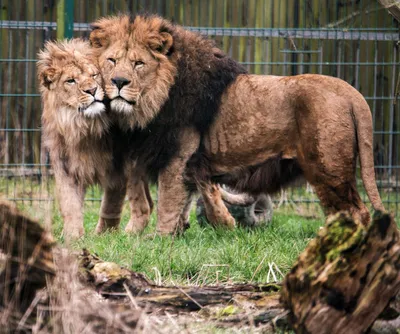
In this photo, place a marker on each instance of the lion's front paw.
(228, 222)
(106, 224)
(135, 226)
(223, 221)
(177, 230)
(232, 222)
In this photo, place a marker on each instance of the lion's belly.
(252, 126)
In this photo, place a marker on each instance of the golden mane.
(60, 59)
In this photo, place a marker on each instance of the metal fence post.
(65, 19)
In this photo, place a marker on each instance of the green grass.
(203, 254)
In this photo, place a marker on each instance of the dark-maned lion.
(78, 134)
(198, 117)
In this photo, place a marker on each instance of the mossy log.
(27, 258)
(345, 277)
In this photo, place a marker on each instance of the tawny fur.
(78, 135)
(254, 133)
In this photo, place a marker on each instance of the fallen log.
(112, 281)
(345, 277)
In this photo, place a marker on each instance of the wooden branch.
(345, 278)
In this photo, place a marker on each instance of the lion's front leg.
(111, 207)
(70, 196)
(174, 197)
(216, 211)
(140, 202)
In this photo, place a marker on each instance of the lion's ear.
(47, 77)
(167, 42)
(98, 37)
(162, 44)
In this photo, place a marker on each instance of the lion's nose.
(91, 91)
(120, 82)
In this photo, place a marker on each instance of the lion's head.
(71, 87)
(133, 58)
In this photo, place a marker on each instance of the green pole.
(65, 19)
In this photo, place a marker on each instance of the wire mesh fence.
(356, 40)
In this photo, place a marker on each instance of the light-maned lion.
(198, 117)
(79, 135)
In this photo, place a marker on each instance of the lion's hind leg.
(184, 223)
(335, 184)
(140, 202)
(216, 211)
(342, 197)
(111, 208)
(327, 152)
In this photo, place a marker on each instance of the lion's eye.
(94, 76)
(70, 81)
(139, 63)
(112, 60)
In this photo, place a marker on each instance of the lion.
(198, 119)
(77, 130)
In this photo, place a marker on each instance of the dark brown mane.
(204, 73)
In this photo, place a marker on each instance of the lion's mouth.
(82, 109)
(94, 109)
(120, 98)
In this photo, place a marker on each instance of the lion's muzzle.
(91, 91)
(123, 97)
(120, 82)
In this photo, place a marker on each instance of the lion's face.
(128, 74)
(135, 67)
(79, 90)
(70, 81)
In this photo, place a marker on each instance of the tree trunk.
(345, 278)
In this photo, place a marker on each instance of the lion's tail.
(364, 132)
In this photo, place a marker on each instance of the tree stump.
(345, 278)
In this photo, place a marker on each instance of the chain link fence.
(356, 40)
